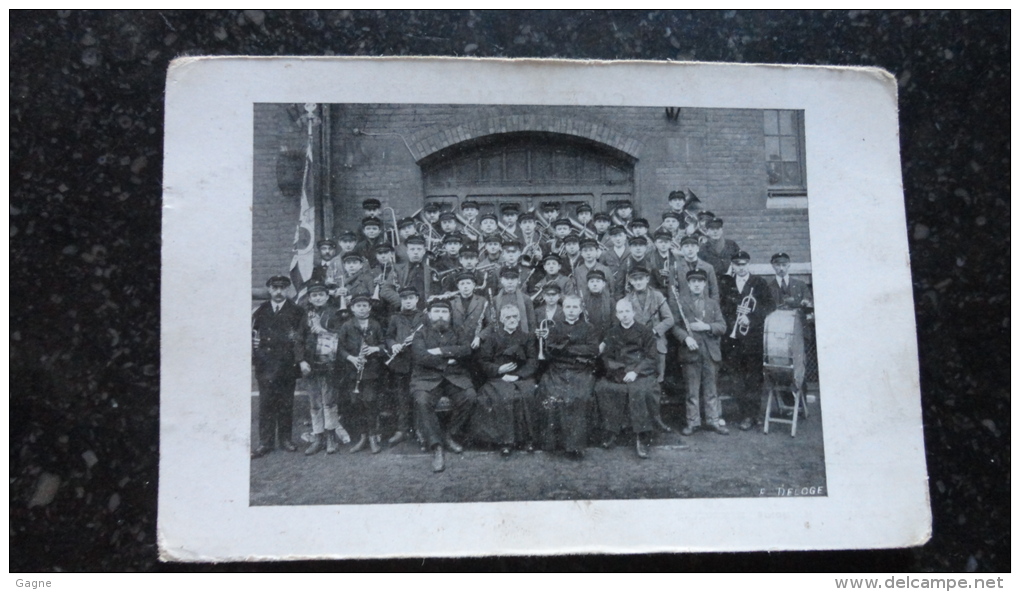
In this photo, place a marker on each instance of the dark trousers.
(399, 401)
(276, 408)
(743, 361)
(463, 401)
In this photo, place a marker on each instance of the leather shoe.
(360, 445)
(373, 444)
(331, 445)
(687, 431)
(720, 429)
(642, 451)
(746, 424)
(438, 462)
(662, 425)
(529, 447)
(505, 452)
(577, 455)
(315, 446)
(261, 451)
(609, 442)
(397, 438)
(453, 446)
(288, 446)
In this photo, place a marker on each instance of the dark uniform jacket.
(730, 298)
(400, 326)
(429, 370)
(796, 292)
(281, 339)
(351, 337)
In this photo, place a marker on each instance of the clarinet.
(406, 342)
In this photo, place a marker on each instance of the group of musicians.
(545, 329)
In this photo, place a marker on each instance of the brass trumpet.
(746, 307)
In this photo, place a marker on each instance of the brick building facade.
(747, 166)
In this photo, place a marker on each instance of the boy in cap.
(717, 250)
(400, 331)
(354, 280)
(638, 227)
(372, 237)
(550, 309)
(618, 251)
(651, 309)
(360, 343)
(698, 332)
(278, 329)
(601, 222)
(637, 257)
(689, 261)
(662, 261)
(623, 213)
(571, 253)
(598, 302)
(452, 244)
(448, 224)
(467, 309)
(510, 293)
(509, 214)
(324, 322)
(531, 239)
(677, 200)
(550, 276)
(416, 272)
(348, 243)
(488, 224)
(745, 300)
(492, 256)
(587, 264)
(405, 229)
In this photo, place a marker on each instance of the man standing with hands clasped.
(278, 353)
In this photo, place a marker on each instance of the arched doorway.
(528, 169)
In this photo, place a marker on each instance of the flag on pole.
(304, 235)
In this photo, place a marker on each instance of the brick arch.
(428, 142)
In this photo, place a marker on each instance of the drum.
(784, 348)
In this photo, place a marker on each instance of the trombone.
(394, 233)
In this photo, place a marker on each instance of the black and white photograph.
(455, 308)
(490, 303)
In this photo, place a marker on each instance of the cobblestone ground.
(742, 464)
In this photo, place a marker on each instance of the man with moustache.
(278, 328)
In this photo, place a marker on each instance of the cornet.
(746, 307)
(543, 325)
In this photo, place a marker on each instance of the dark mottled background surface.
(86, 93)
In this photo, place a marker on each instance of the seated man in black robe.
(565, 389)
(505, 414)
(625, 394)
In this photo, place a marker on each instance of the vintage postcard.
(443, 307)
